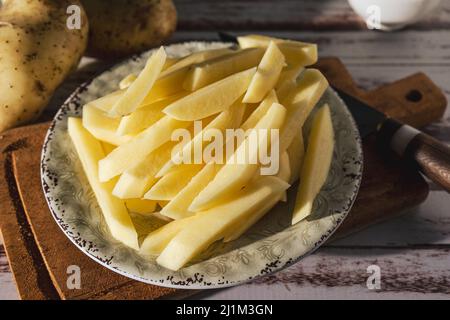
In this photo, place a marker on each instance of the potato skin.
(37, 51)
(122, 27)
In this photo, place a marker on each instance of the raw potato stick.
(116, 215)
(127, 81)
(141, 206)
(211, 99)
(296, 152)
(260, 111)
(213, 70)
(131, 153)
(233, 175)
(145, 116)
(316, 165)
(295, 52)
(171, 184)
(103, 127)
(197, 57)
(228, 119)
(137, 91)
(213, 224)
(299, 104)
(135, 181)
(107, 102)
(178, 207)
(266, 75)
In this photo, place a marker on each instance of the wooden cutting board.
(40, 254)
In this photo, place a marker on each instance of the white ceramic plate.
(270, 245)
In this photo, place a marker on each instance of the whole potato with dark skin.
(37, 51)
(122, 27)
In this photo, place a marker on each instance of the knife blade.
(367, 119)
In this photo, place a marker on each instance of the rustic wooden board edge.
(35, 283)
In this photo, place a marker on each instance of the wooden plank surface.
(7, 286)
(341, 273)
(283, 14)
(373, 58)
(35, 283)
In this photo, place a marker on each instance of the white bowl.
(393, 14)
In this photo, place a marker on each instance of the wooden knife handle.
(431, 156)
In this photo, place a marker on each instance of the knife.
(428, 154)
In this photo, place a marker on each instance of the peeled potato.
(136, 92)
(145, 116)
(299, 104)
(90, 151)
(260, 111)
(213, 224)
(172, 183)
(211, 99)
(213, 70)
(295, 52)
(289, 73)
(107, 147)
(197, 57)
(178, 207)
(141, 206)
(266, 75)
(310, 86)
(230, 118)
(296, 152)
(285, 88)
(246, 223)
(316, 165)
(103, 127)
(136, 180)
(127, 81)
(156, 241)
(106, 102)
(284, 171)
(170, 81)
(233, 176)
(167, 84)
(132, 152)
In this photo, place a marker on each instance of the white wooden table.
(412, 251)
